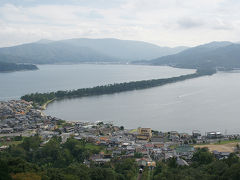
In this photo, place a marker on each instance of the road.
(139, 176)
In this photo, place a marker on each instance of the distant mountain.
(214, 54)
(126, 50)
(5, 67)
(83, 50)
(48, 53)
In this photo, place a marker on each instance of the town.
(19, 119)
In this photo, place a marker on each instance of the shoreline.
(112, 88)
(44, 106)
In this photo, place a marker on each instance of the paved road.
(139, 176)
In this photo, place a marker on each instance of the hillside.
(5, 67)
(48, 53)
(216, 54)
(83, 50)
(126, 50)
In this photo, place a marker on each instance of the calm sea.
(62, 77)
(207, 104)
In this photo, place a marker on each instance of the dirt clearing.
(230, 147)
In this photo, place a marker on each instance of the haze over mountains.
(215, 54)
(224, 55)
(84, 50)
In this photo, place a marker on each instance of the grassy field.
(173, 146)
(228, 141)
(93, 147)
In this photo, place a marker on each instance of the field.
(224, 146)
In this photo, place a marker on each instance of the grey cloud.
(188, 23)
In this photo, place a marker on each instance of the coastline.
(46, 98)
(44, 106)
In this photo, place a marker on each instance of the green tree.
(138, 155)
(202, 156)
(4, 171)
(172, 162)
(31, 143)
(128, 168)
(233, 172)
(232, 159)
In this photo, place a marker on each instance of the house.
(6, 130)
(144, 152)
(102, 161)
(158, 145)
(142, 162)
(47, 134)
(116, 152)
(168, 155)
(213, 134)
(3, 148)
(173, 133)
(157, 153)
(144, 134)
(151, 164)
(78, 138)
(114, 141)
(157, 139)
(65, 136)
(174, 138)
(221, 155)
(148, 146)
(130, 149)
(125, 144)
(196, 134)
(185, 151)
(103, 140)
(69, 129)
(107, 156)
(99, 158)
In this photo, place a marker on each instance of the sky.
(162, 22)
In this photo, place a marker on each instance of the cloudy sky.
(163, 22)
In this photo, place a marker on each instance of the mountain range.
(224, 55)
(84, 50)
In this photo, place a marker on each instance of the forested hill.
(51, 53)
(6, 67)
(84, 50)
(31, 159)
(42, 98)
(225, 55)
